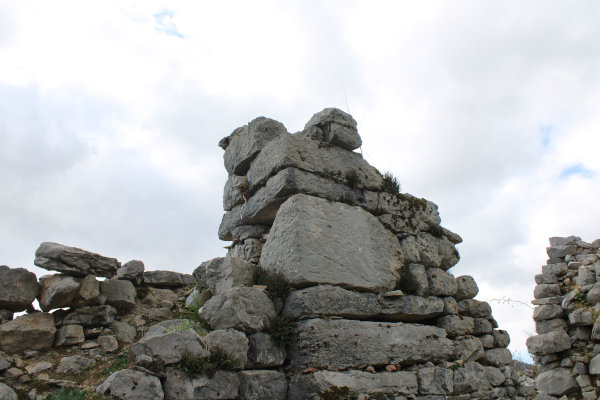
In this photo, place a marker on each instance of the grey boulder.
(170, 347)
(167, 279)
(128, 384)
(74, 261)
(91, 316)
(556, 382)
(179, 385)
(118, 293)
(263, 352)
(548, 343)
(456, 325)
(474, 308)
(496, 357)
(441, 283)
(18, 288)
(337, 127)
(27, 332)
(57, 291)
(223, 273)
(7, 393)
(69, 335)
(466, 288)
(132, 271)
(233, 343)
(260, 385)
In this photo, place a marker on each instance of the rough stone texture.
(496, 357)
(261, 385)
(549, 343)
(128, 384)
(27, 332)
(73, 364)
(481, 326)
(315, 241)
(133, 271)
(581, 317)
(560, 251)
(74, 261)
(430, 251)
(18, 288)
(248, 250)
(68, 335)
(558, 268)
(409, 308)
(246, 143)
(549, 311)
(223, 273)
(474, 308)
(233, 342)
(91, 316)
(501, 338)
(308, 155)
(436, 381)
(4, 364)
(556, 382)
(159, 298)
(118, 293)
(179, 385)
(450, 306)
(88, 292)
(108, 343)
(466, 288)
(5, 315)
(472, 377)
(38, 367)
(546, 290)
(7, 393)
(232, 195)
(593, 296)
(57, 291)
(337, 127)
(305, 386)
(586, 275)
(169, 347)
(244, 309)
(420, 277)
(441, 283)
(545, 278)
(550, 325)
(456, 325)
(468, 348)
(594, 366)
(358, 344)
(167, 279)
(262, 207)
(263, 352)
(124, 332)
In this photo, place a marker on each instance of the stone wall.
(567, 343)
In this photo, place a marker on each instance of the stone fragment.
(456, 325)
(5, 315)
(558, 268)
(12, 373)
(38, 367)
(128, 384)
(247, 142)
(242, 308)
(546, 312)
(69, 335)
(7, 393)
(223, 273)
(91, 316)
(496, 357)
(124, 332)
(74, 261)
(441, 283)
(481, 326)
(170, 347)
(263, 352)
(249, 250)
(423, 212)
(546, 290)
(315, 241)
(450, 306)
(487, 341)
(74, 364)
(468, 348)
(132, 271)
(494, 376)
(27, 332)
(259, 385)
(232, 195)
(501, 338)
(159, 298)
(564, 241)
(550, 325)
(466, 288)
(436, 380)
(472, 377)
(556, 382)
(118, 293)
(593, 296)
(108, 343)
(359, 344)
(18, 288)
(474, 308)
(230, 341)
(420, 278)
(88, 292)
(308, 155)
(167, 279)
(558, 251)
(545, 279)
(179, 385)
(337, 127)
(586, 275)
(549, 343)
(158, 314)
(581, 317)
(4, 364)
(57, 291)
(430, 251)
(307, 386)
(548, 300)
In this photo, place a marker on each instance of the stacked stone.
(567, 297)
(308, 207)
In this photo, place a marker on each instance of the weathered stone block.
(91, 316)
(337, 127)
(18, 288)
(169, 347)
(223, 273)
(546, 290)
(549, 311)
(550, 325)
(441, 283)
(179, 385)
(260, 385)
(132, 385)
(436, 381)
(133, 271)
(118, 293)
(88, 291)
(466, 288)
(549, 343)
(474, 308)
(496, 357)
(456, 325)
(168, 279)
(263, 352)
(57, 291)
(27, 332)
(470, 378)
(68, 335)
(232, 194)
(230, 341)
(556, 382)
(74, 261)
(558, 251)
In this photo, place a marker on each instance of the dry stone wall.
(335, 286)
(567, 299)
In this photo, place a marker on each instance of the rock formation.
(335, 285)
(567, 300)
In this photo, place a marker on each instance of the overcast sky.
(110, 115)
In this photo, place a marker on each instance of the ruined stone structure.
(567, 297)
(335, 286)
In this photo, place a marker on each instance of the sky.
(110, 115)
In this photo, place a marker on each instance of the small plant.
(182, 326)
(276, 283)
(436, 230)
(406, 281)
(348, 199)
(338, 393)
(352, 179)
(390, 184)
(247, 190)
(192, 312)
(68, 394)
(121, 361)
(281, 330)
(218, 360)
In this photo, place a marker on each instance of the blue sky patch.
(577, 170)
(546, 134)
(165, 23)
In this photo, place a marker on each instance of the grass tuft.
(276, 283)
(281, 330)
(406, 281)
(352, 179)
(337, 393)
(68, 394)
(390, 184)
(218, 360)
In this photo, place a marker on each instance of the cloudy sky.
(110, 115)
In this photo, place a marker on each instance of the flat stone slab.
(306, 154)
(314, 241)
(74, 261)
(27, 332)
(262, 207)
(329, 301)
(344, 344)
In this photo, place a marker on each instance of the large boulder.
(118, 293)
(7, 393)
(223, 273)
(132, 271)
(169, 348)
(74, 261)
(27, 332)
(88, 291)
(242, 308)
(233, 343)
(341, 344)
(18, 288)
(91, 316)
(308, 155)
(315, 241)
(246, 142)
(180, 385)
(263, 352)
(548, 343)
(466, 288)
(334, 126)
(128, 384)
(57, 291)
(556, 382)
(167, 279)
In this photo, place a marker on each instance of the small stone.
(108, 343)
(38, 367)
(73, 364)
